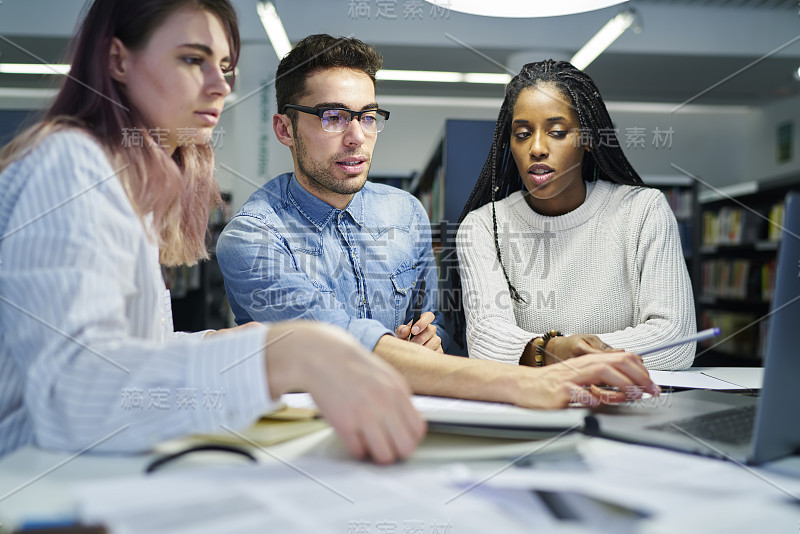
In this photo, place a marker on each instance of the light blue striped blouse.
(88, 358)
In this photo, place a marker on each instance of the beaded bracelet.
(541, 344)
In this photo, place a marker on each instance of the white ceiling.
(707, 51)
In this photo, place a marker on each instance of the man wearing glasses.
(322, 243)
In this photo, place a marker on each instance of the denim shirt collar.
(318, 212)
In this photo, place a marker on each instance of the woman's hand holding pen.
(594, 379)
(559, 349)
(422, 332)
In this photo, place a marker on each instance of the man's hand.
(364, 399)
(423, 332)
(577, 380)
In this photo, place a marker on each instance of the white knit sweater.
(613, 267)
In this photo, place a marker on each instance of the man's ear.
(118, 61)
(283, 129)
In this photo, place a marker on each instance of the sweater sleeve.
(665, 304)
(492, 331)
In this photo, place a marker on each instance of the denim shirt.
(289, 255)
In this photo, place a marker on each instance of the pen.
(705, 334)
(419, 300)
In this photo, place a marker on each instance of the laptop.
(726, 425)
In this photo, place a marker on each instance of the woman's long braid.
(511, 289)
(499, 176)
(487, 189)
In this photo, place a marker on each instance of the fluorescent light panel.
(38, 68)
(518, 9)
(274, 28)
(613, 107)
(443, 76)
(603, 39)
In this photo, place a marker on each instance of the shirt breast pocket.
(404, 281)
(321, 287)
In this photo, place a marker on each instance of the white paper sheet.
(307, 496)
(719, 378)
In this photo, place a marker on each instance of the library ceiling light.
(443, 76)
(797, 74)
(274, 28)
(38, 68)
(517, 9)
(603, 39)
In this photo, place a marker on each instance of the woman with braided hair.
(560, 234)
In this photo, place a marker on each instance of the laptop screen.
(777, 430)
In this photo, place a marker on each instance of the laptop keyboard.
(734, 426)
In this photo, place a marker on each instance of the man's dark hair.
(317, 52)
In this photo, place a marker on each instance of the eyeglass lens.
(337, 120)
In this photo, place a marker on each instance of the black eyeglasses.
(337, 120)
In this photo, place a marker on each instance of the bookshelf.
(398, 180)
(681, 194)
(737, 247)
(198, 294)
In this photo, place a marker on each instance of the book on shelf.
(740, 333)
(767, 280)
(735, 279)
(681, 201)
(432, 198)
(685, 235)
(731, 226)
(775, 222)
